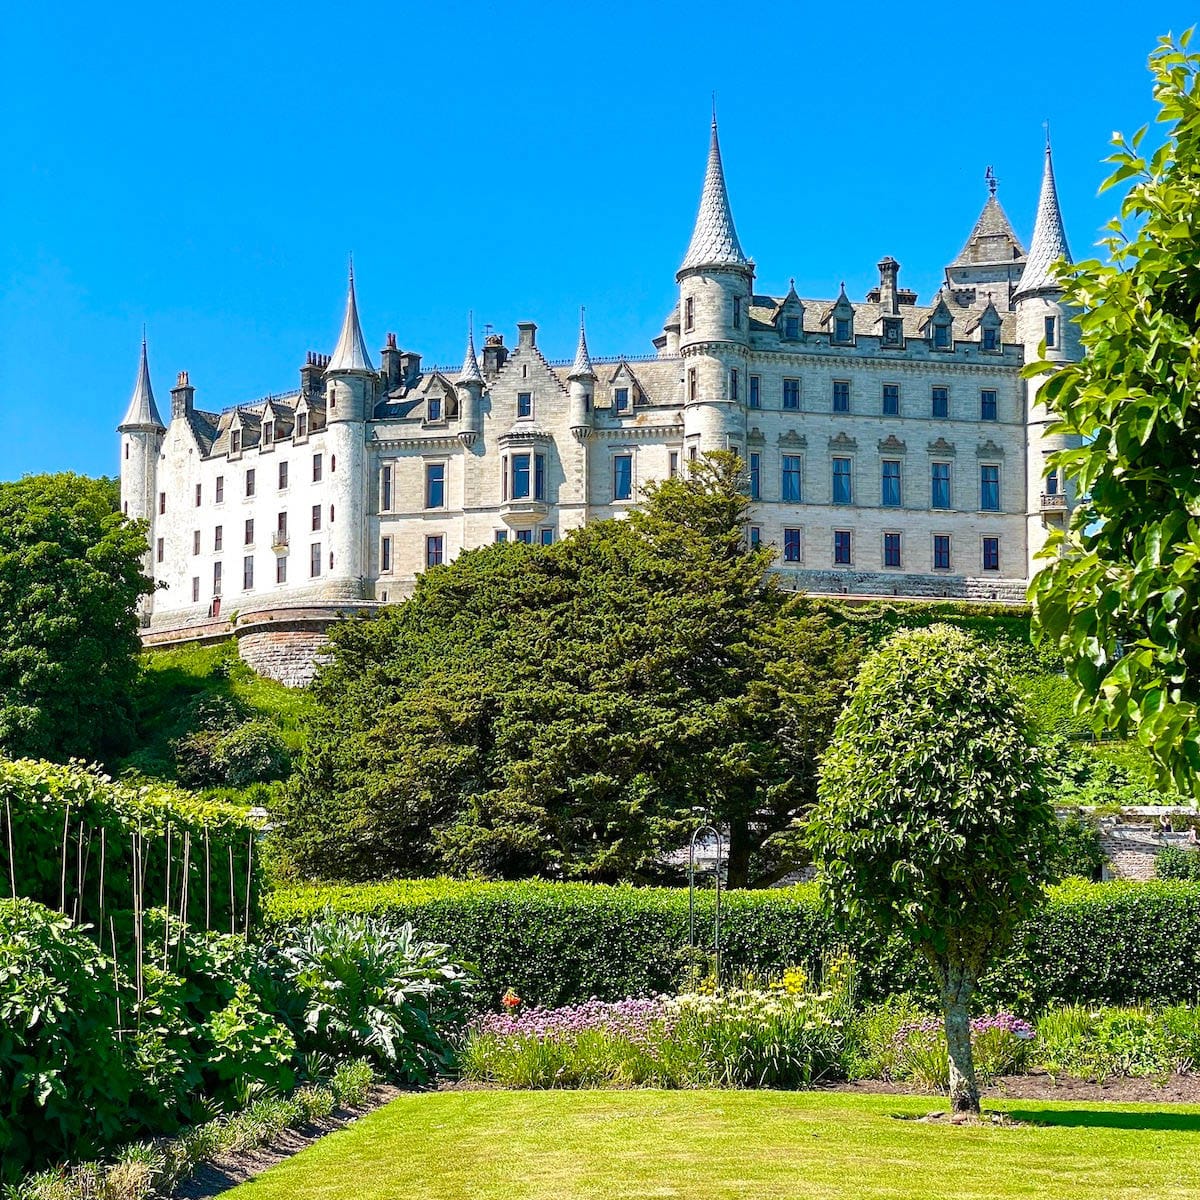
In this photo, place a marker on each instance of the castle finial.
(470, 372)
(992, 181)
(582, 368)
(1049, 243)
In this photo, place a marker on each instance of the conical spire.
(1049, 238)
(470, 369)
(142, 412)
(350, 353)
(583, 363)
(714, 240)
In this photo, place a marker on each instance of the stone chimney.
(389, 356)
(495, 354)
(526, 335)
(183, 397)
(889, 273)
(410, 368)
(311, 372)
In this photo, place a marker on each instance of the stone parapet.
(904, 586)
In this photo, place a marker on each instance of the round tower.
(716, 282)
(469, 386)
(1047, 330)
(582, 385)
(141, 433)
(351, 383)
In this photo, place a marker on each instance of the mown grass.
(605, 1145)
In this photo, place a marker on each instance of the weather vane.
(990, 176)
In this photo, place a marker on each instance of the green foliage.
(1076, 849)
(1174, 862)
(1118, 595)
(362, 985)
(70, 579)
(1102, 1043)
(251, 752)
(562, 711)
(1109, 943)
(64, 1082)
(72, 829)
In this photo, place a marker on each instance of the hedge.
(75, 836)
(1110, 943)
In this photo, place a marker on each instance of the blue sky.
(206, 169)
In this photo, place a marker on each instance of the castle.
(893, 448)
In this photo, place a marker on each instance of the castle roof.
(582, 368)
(350, 353)
(714, 239)
(470, 372)
(992, 240)
(1049, 238)
(142, 412)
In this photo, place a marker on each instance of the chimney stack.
(495, 354)
(390, 358)
(182, 397)
(889, 273)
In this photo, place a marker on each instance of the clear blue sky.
(206, 169)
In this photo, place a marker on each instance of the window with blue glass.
(791, 393)
(435, 408)
(622, 476)
(502, 535)
(547, 537)
(941, 552)
(791, 545)
(434, 548)
(891, 549)
(621, 399)
(941, 401)
(989, 488)
(755, 392)
(734, 378)
(755, 476)
(991, 554)
(539, 477)
(1052, 484)
(520, 476)
(842, 329)
(841, 395)
(843, 492)
(942, 336)
(435, 485)
(791, 327)
(991, 338)
(524, 404)
(890, 483)
(987, 404)
(790, 491)
(1051, 332)
(525, 537)
(755, 537)
(841, 547)
(940, 480)
(891, 399)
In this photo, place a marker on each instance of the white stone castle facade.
(893, 448)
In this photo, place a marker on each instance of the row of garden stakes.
(703, 829)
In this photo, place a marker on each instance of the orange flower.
(510, 999)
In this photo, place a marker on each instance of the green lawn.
(617, 1144)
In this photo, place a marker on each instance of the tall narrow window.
(755, 536)
(1051, 332)
(268, 432)
(218, 537)
(539, 477)
(250, 482)
(195, 588)
(790, 478)
(841, 395)
(755, 391)
(737, 312)
(890, 483)
(248, 573)
(891, 549)
(316, 516)
(520, 477)
(673, 463)
(843, 492)
(941, 552)
(216, 579)
(841, 547)
(314, 559)
(621, 399)
(385, 489)
(755, 475)
(941, 402)
(939, 474)
(281, 568)
(942, 336)
(791, 328)
(316, 474)
(281, 528)
(547, 537)
(301, 425)
(434, 549)
(158, 550)
(435, 485)
(385, 554)
(1052, 483)
(791, 545)
(622, 476)
(891, 399)
(434, 408)
(991, 338)
(689, 315)
(162, 502)
(220, 489)
(991, 554)
(791, 393)
(989, 488)
(504, 477)
(283, 476)
(235, 441)
(195, 541)
(249, 539)
(198, 493)
(524, 404)
(733, 384)
(691, 377)
(987, 404)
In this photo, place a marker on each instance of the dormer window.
(435, 408)
(302, 424)
(942, 335)
(893, 331)
(621, 399)
(841, 329)
(991, 338)
(235, 441)
(791, 328)
(268, 433)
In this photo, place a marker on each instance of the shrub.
(1174, 862)
(1000, 1045)
(1118, 1041)
(363, 985)
(1092, 943)
(1076, 849)
(64, 1084)
(250, 752)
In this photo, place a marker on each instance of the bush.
(361, 985)
(1118, 1041)
(64, 1083)
(1077, 852)
(220, 756)
(1174, 862)
(1092, 943)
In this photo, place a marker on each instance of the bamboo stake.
(62, 889)
(249, 875)
(183, 898)
(116, 978)
(79, 874)
(207, 883)
(103, 850)
(167, 914)
(232, 894)
(12, 860)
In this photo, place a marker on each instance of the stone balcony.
(1054, 502)
(520, 514)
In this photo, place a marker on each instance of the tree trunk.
(737, 874)
(956, 994)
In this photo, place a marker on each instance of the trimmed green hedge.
(1113, 943)
(75, 835)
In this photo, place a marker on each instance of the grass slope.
(604, 1145)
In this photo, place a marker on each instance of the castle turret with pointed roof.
(141, 431)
